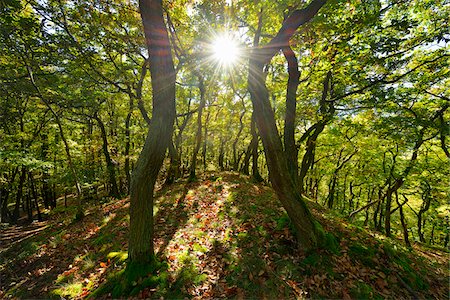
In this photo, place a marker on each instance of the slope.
(220, 237)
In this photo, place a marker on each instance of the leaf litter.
(222, 237)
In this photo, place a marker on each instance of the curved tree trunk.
(327, 111)
(308, 232)
(113, 189)
(140, 250)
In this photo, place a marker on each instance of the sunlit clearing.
(225, 50)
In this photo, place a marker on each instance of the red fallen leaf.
(171, 257)
(84, 293)
(102, 264)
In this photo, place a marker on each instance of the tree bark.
(128, 142)
(403, 221)
(16, 213)
(308, 232)
(35, 196)
(205, 141)
(198, 135)
(289, 119)
(326, 110)
(144, 177)
(236, 157)
(113, 190)
(256, 176)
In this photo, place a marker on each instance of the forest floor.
(220, 237)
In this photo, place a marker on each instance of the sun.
(225, 49)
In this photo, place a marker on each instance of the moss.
(362, 253)
(70, 290)
(282, 222)
(326, 240)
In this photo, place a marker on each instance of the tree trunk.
(387, 216)
(16, 213)
(80, 212)
(113, 189)
(308, 232)
(245, 168)
(236, 157)
(5, 215)
(205, 141)
(403, 221)
(127, 143)
(327, 111)
(426, 197)
(35, 196)
(173, 166)
(289, 119)
(255, 154)
(140, 250)
(221, 155)
(198, 136)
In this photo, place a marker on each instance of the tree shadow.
(171, 216)
(34, 266)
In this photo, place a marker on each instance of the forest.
(197, 149)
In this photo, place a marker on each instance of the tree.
(308, 232)
(159, 134)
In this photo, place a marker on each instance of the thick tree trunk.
(144, 177)
(113, 188)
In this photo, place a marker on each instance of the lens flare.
(225, 50)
